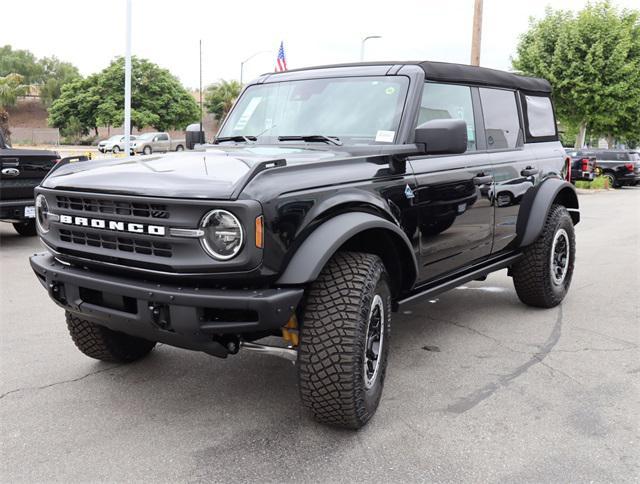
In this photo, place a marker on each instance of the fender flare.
(313, 254)
(536, 204)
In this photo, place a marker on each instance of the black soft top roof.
(462, 73)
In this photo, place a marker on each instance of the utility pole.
(127, 85)
(477, 33)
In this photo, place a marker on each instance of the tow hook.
(57, 292)
(160, 316)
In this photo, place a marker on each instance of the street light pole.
(127, 84)
(247, 60)
(200, 134)
(362, 44)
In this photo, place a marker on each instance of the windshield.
(357, 110)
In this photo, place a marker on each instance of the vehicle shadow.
(9, 239)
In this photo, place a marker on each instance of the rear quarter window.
(540, 119)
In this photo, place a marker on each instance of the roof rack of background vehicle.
(457, 73)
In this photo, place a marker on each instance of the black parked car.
(621, 167)
(331, 197)
(21, 171)
(583, 167)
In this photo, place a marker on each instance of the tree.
(592, 60)
(20, 62)
(11, 87)
(157, 99)
(55, 74)
(219, 97)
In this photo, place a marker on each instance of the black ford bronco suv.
(331, 196)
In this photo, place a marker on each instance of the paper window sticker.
(383, 136)
(247, 113)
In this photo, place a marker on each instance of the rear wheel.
(179, 148)
(344, 340)
(611, 179)
(26, 229)
(105, 344)
(543, 275)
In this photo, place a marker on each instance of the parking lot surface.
(479, 388)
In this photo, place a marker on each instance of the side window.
(163, 137)
(501, 120)
(540, 116)
(448, 101)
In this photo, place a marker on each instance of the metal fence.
(35, 136)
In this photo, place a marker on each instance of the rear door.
(455, 215)
(516, 166)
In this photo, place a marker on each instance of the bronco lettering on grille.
(98, 223)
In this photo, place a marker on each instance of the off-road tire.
(26, 229)
(532, 273)
(333, 335)
(105, 344)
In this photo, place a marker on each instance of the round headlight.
(42, 213)
(223, 235)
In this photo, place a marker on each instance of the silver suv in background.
(114, 144)
(148, 143)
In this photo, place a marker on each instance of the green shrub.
(598, 184)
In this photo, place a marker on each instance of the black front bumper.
(187, 317)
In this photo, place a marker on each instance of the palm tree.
(220, 97)
(11, 88)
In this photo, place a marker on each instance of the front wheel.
(105, 344)
(116, 149)
(26, 229)
(542, 276)
(344, 340)
(147, 150)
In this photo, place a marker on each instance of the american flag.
(281, 62)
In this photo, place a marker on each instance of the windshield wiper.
(332, 140)
(245, 139)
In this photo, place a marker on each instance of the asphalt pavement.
(479, 389)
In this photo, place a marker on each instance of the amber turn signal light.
(259, 232)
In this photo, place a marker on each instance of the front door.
(452, 195)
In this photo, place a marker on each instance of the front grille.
(117, 242)
(96, 205)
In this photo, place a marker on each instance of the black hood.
(215, 173)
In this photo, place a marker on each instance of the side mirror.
(442, 136)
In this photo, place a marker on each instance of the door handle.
(482, 179)
(528, 171)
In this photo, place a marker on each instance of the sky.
(91, 33)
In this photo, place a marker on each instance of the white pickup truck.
(148, 143)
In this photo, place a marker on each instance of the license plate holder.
(30, 211)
